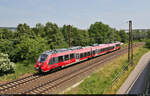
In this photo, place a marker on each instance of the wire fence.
(125, 68)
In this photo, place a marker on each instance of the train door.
(91, 52)
(77, 57)
(96, 53)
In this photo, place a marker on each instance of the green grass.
(20, 70)
(100, 82)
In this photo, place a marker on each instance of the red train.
(58, 58)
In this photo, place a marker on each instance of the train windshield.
(42, 57)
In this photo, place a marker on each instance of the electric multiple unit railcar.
(59, 58)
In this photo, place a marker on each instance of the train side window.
(71, 56)
(100, 50)
(85, 54)
(56, 60)
(60, 59)
(53, 60)
(88, 53)
(96, 51)
(50, 61)
(104, 49)
(81, 55)
(93, 52)
(66, 57)
(117, 45)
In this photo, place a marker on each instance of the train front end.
(41, 64)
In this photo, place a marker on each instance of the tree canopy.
(28, 43)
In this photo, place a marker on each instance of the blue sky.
(80, 13)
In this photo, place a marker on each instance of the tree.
(29, 48)
(80, 38)
(123, 35)
(148, 34)
(117, 36)
(39, 30)
(148, 43)
(24, 29)
(6, 34)
(54, 36)
(99, 33)
(64, 31)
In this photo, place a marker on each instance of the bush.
(148, 43)
(5, 65)
(29, 49)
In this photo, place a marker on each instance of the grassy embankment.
(100, 82)
(20, 70)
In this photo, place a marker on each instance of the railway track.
(53, 83)
(50, 85)
(17, 82)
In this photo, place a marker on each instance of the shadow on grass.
(6, 73)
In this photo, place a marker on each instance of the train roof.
(61, 50)
(55, 51)
(95, 44)
(101, 44)
(49, 52)
(87, 47)
(75, 48)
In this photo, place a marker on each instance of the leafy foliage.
(5, 64)
(123, 36)
(78, 37)
(148, 34)
(30, 49)
(139, 35)
(148, 43)
(26, 43)
(102, 33)
(54, 37)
